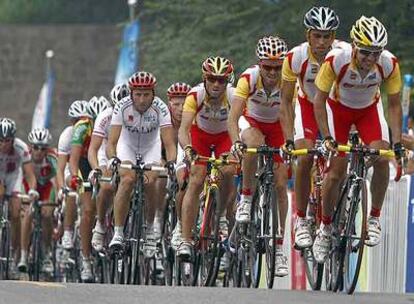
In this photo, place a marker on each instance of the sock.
(119, 230)
(99, 227)
(326, 228)
(326, 220)
(300, 213)
(375, 212)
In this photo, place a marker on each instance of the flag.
(43, 109)
(128, 57)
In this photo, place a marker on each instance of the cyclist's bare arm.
(96, 142)
(29, 174)
(320, 112)
(394, 116)
(236, 110)
(168, 138)
(60, 174)
(184, 131)
(113, 137)
(286, 108)
(75, 155)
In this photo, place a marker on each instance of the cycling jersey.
(46, 170)
(81, 134)
(209, 120)
(340, 77)
(259, 105)
(11, 173)
(101, 129)
(65, 139)
(140, 132)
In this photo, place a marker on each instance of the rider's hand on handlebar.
(190, 153)
(75, 182)
(170, 166)
(329, 145)
(34, 195)
(113, 162)
(237, 149)
(399, 151)
(94, 174)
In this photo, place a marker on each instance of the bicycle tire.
(5, 252)
(256, 248)
(354, 246)
(35, 261)
(270, 224)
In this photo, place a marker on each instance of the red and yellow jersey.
(301, 66)
(259, 105)
(209, 119)
(340, 77)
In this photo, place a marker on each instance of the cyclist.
(300, 67)
(203, 124)
(348, 94)
(137, 123)
(256, 106)
(177, 93)
(98, 162)
(15, 162)
(79, 169)
(45, 164)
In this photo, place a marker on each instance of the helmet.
(321, 18)
(369, 32)
(118, 92)
(218, 66)
(40, 136)
(7, 128)
(97, 105)
(142, 80)
(270, 47)
(93, 99)
(178, 89)
(78, 108)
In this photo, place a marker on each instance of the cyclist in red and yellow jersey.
(348, 94)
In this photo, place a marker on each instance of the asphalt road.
(19, 292)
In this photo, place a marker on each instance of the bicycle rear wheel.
(354, 237)
(35, 261)
(257, 246)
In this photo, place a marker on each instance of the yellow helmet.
(218, 66)
(369, 32)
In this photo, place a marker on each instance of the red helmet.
(178, 89)
(142, 80)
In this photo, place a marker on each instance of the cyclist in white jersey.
(15, 161)
(77, 110)
(177, 93)
(98, 161)
(137, 123)
(300, 67)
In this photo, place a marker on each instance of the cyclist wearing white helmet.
(77, 110)
(15, 162)
(255, 111)
(137, 124)
(45, 165)
(348, 94)
(203, 124)
(98, 161)
(299, 70)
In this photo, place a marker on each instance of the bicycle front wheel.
(270, 223)
(5, 252)
(355, 235)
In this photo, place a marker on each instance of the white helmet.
(270, 47)
(118, 92)
(7, 128)
(40, 137)
(78, 109)
(321, 18)
(97, 105)
(369, 32)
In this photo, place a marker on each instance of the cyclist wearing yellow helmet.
(204, 124)
(300, 67)
(348, 94)
(255, 111)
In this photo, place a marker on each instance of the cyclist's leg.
(373, 130)
(26, 231)
(252, 137)
(182, 177)
(70, 212)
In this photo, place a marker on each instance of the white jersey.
(65, 141)
(11, 166)
(101, 129)
(140, 132)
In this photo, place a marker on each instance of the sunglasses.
(39, 148)
(269, 68)
(366, 53)
(220, 80)
(6, 140)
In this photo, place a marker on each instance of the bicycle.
(135, 230)
(5, 240)
(350, 218)
(36, 254)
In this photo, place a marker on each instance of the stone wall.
(84, 64)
